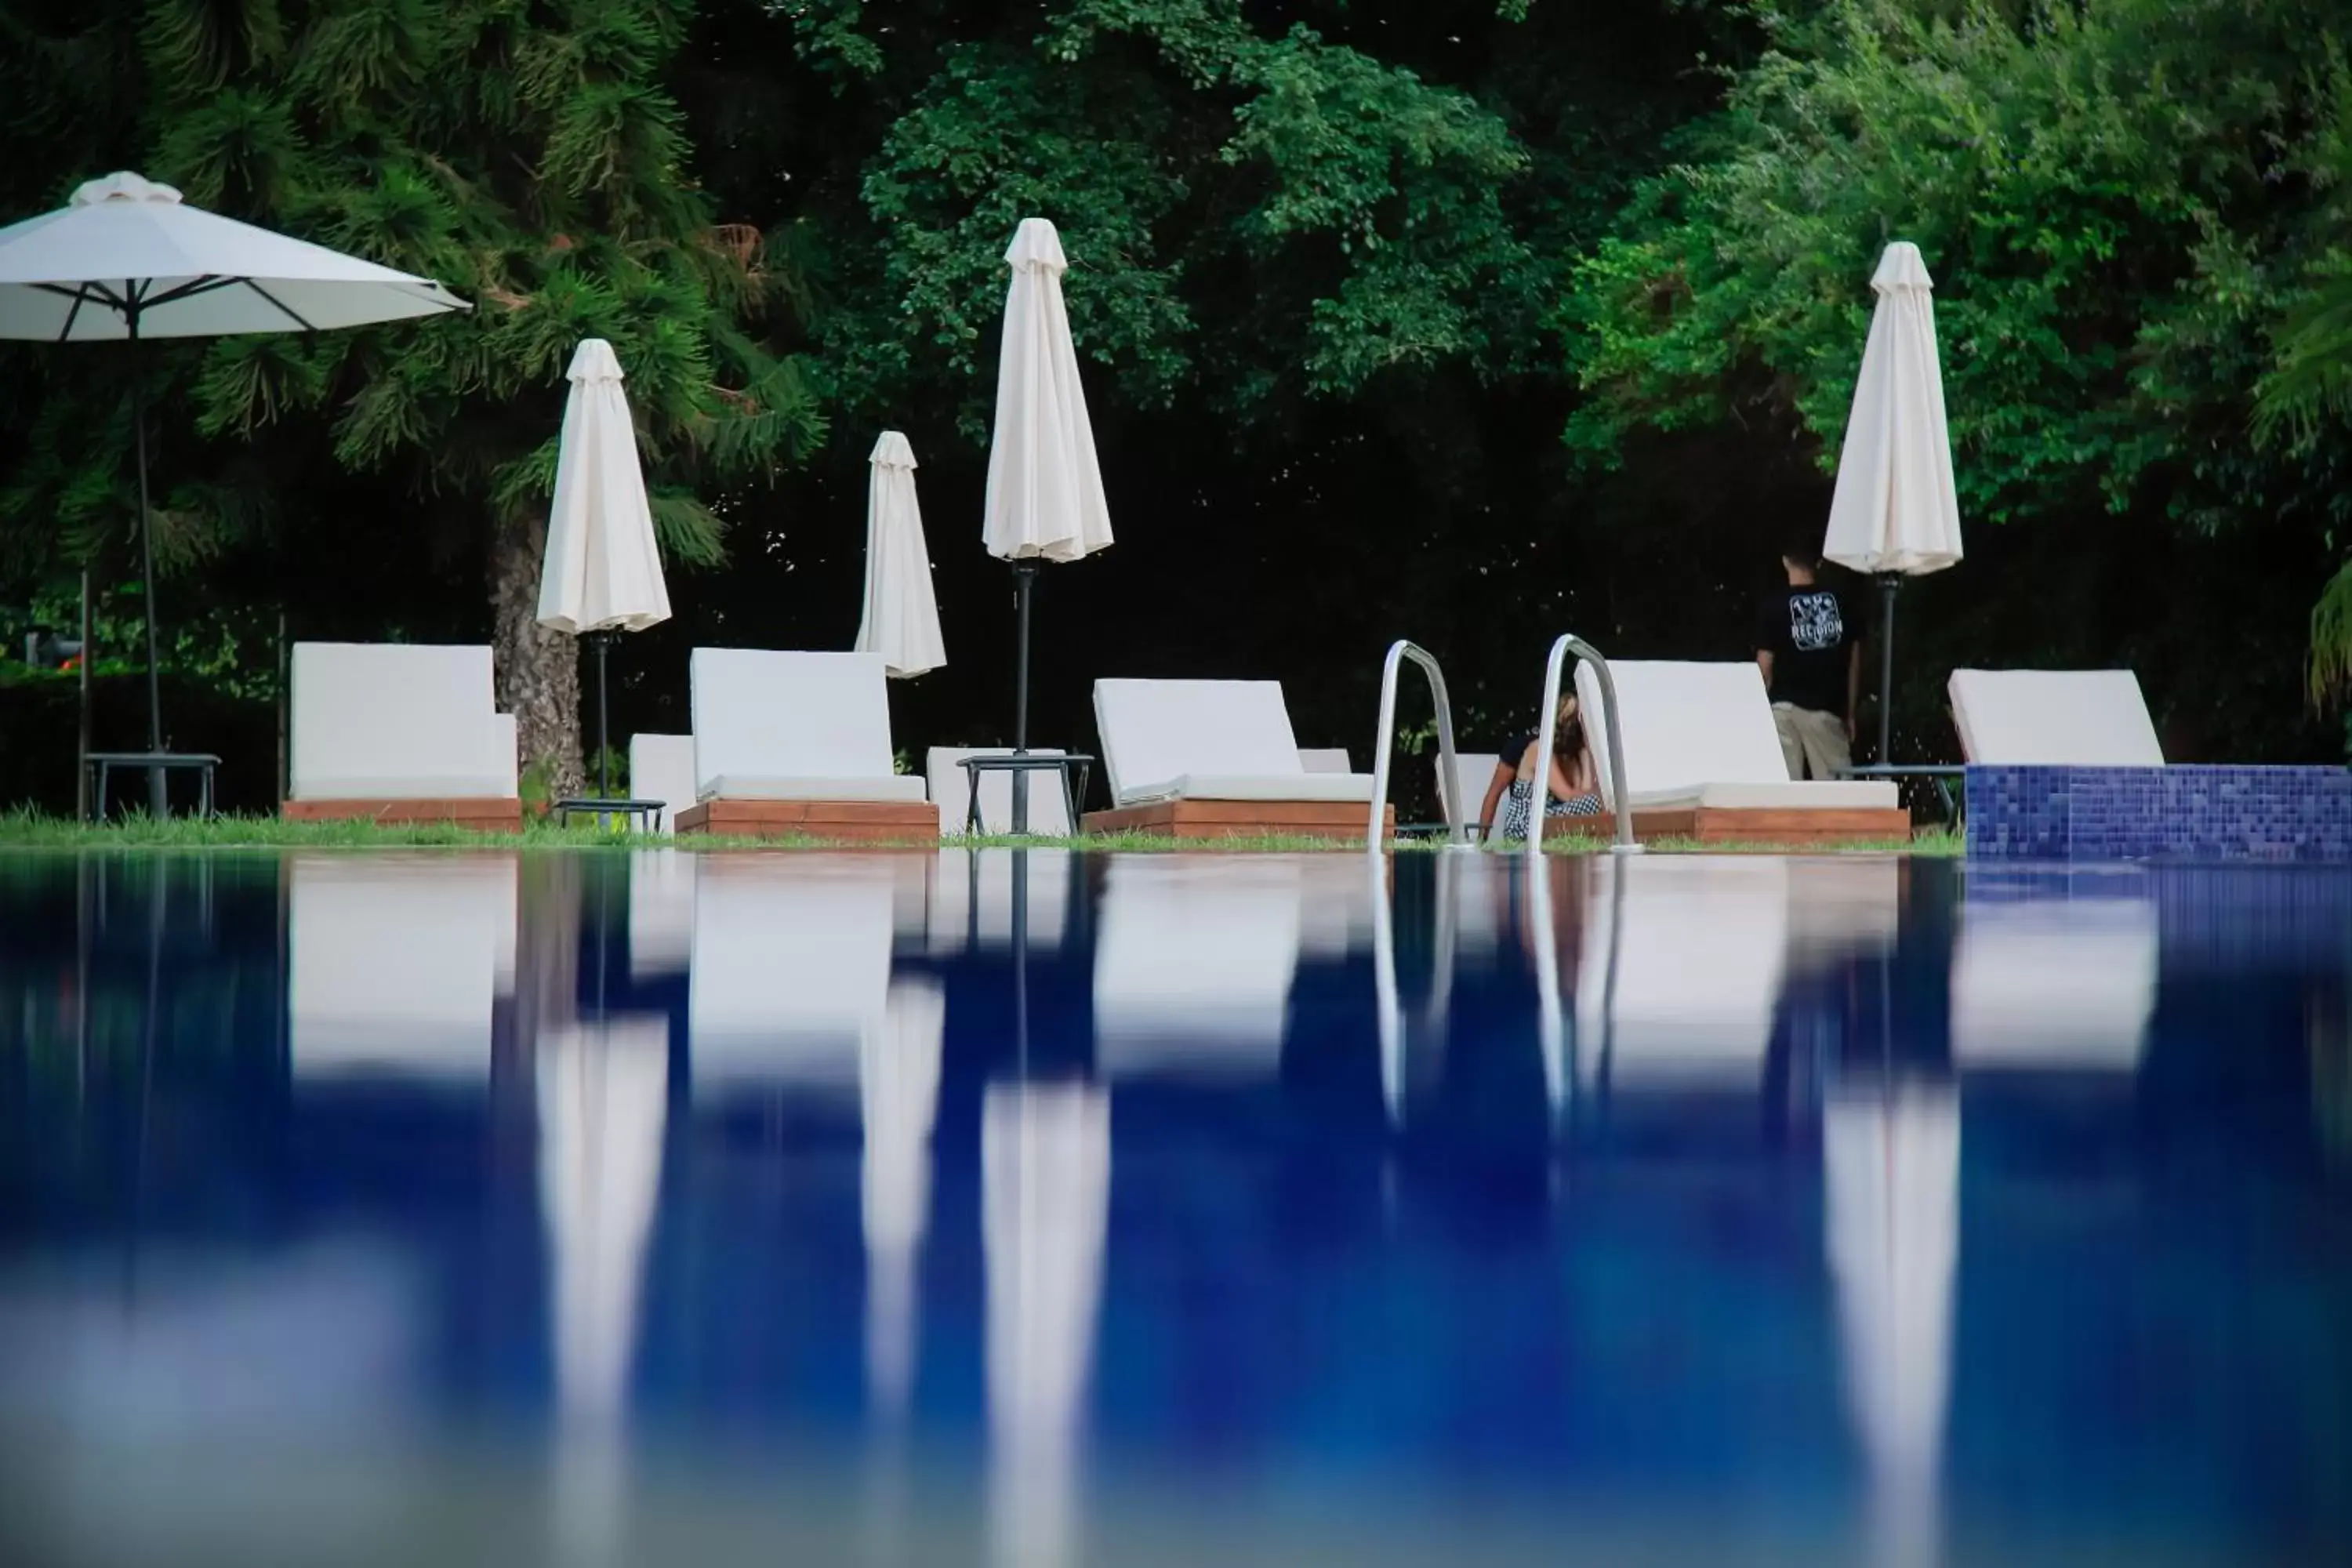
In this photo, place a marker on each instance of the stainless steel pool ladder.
(1567, 644)
(1385, 742)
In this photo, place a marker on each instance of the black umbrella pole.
(604, 729)
(156, 803)
(1024, 579)
(1887, 583)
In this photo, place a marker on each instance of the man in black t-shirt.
(1808, 647)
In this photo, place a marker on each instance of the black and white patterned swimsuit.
(1516, 800)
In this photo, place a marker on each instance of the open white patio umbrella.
(1894, 513)
(1044, 1156)
(1045, 489)
(602, 572)
(127, 260)
(1890, 1161)
(902, 616)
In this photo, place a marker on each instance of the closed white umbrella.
(1894, 513)
(126, 258)
(1045, 489)
(902, 616)
(603, 570)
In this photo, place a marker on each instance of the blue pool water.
(1041, 1209)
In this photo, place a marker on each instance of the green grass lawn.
(23, 830)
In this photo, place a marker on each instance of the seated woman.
(1575, 783)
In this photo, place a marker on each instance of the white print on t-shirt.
(1813, 622)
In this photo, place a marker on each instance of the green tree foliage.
(530, 157)
(2120, 201)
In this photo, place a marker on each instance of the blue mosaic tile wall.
(2181, 813)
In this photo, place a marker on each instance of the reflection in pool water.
(1055, 1209)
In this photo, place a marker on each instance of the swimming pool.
(1051, 1208)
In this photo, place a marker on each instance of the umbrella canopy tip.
(892, 451)
(1036, 243)
(1901, 266)
(122, 185)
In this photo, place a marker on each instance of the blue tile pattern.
(2181, 813)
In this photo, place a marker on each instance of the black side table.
(100, 765)
(642, 813)
(1075, 770)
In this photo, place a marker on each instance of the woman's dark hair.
(1568, 736)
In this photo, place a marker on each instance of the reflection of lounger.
(1214, 759)
(798, 743)
(1703, 760)
(397, 961)
(1700, 947)
(661, 911)
(1193, 965)
(1843, 907)
(790, 971)
(2054, 983)
(2053, 718)
(401, 732)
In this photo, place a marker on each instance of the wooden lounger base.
(1239, 819)
(853, 821)
(1801, 827)
(484, 816)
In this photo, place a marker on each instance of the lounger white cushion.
(884, 786)
(1347, 788)
(2054, 718)
(1693, 732)
(661, 767)
(1207, 739)
(1324, 759)
(951, 789)
(792, 726)
(398, 722)
(1472, 771)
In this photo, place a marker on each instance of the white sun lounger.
(401, 732)
(2053, 718)
(1192, 972)
(1213, 758)
(396, 962)
(798, 743)
(1703, 760)
(661, 767)
(1325, 759)
(950, 788)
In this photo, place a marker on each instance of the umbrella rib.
(81, 294)
(290, 313)
(206, 284)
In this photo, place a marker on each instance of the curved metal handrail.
(1385, 742)
(1567, 644)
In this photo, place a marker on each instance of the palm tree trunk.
(538, 670)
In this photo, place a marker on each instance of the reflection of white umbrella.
(898, 1074)
(602, 1099)
(1892, 1171)
(902, 616)
(126, 258)
(1894, 513)
(603, 570)
(1045, 489)
(1045, 1192)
